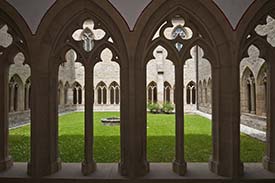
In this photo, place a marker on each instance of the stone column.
(89, 165)
(108, 98)
(5, 159)
(44, 118)
(225, 160)
(179, 165)
(253, 102)
(269, 159)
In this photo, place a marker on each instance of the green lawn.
(161, 140)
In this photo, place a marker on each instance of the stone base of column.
(122, 169)
(179, 168)
(6, 164)
(138, 172)
(269, 165)
(224, 171)
(54, 167)
(88, 168)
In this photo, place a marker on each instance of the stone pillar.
(89, 165)
(253, 102)
(225, 160)
(5, 159)
(108, 98)
(179, 165)
(44, 118)
(269, 159)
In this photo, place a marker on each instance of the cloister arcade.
(89, 27)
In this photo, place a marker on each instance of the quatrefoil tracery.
(88, 35)
(175, 31)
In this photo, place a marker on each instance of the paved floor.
(252, 132)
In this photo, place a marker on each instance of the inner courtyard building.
(209, 58)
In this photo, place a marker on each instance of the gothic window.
(114, 93)
(15, 92)
(27, 100)
(249, 92)
(191, 93)
(77, 93)
(167, 92)
(152, 93)
(101, 93)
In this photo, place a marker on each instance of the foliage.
(154, 108)
(168, 108)
(160, 140)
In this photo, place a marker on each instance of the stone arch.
(248, 92)
(114, 92)
(60, 40)
(154, 16)
(21, 36)
(27, 94)
(191, 93)
(168, 92)
(248, 35)
(152, 92)
(261, 91)
(77, 93)
(16, 94)
(101, 89)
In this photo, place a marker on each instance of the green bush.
(154, 107)
(168, 108)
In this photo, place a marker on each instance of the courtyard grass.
(160, 140)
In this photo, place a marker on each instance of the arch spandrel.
(204, 24)
(19, 31)
(59, 28)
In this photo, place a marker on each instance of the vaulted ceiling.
(34, 10)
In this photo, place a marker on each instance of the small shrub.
(168, 108)
(154, 108)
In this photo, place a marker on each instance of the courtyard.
(160, 139)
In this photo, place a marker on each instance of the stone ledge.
(160, 172)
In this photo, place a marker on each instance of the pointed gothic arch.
(191, 93)
(157, 20)
(114, 92)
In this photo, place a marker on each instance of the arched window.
(191, 93)
(167, 92)
(152, 92)
(248, 92)
(101, 93)
(77, 93)
(261, 88)
(114, 93)
(27, 100)
(15, 94)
